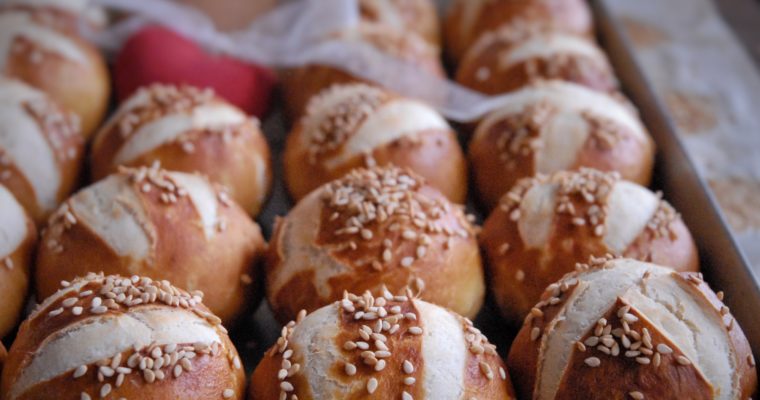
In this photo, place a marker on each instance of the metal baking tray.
(723, 264)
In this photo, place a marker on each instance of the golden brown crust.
(568, 16)
(15, 269)
(624, 355)
(625, 371)
(746, 368)
(377, 356)
(389, 247)
(81, 88)
(316, 141)
(483, 69)
(506, 151)
(235, 156)
(224, 266)
(205, 374)
(518, 274)
(419, 16)
(62, 132)
(299, 85)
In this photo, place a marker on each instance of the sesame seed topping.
(329, 128)
(593, 362)
(228, 393)
(372, 385)
(408, 367)
(636, 395)
(387, 203)
(80, 371)
(683, 360)
(664, 348)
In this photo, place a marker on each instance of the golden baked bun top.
(401, 44)
(159, 114)
(516, 46)
(105, 328)
(27, 30)
(116, 209)
(556, 119)
(378, 218)
(387, 347)
(349, 120)
(618, 310)
(14, 228)
(618, 211)
(36, 138)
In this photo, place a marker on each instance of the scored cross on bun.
(302, 83)
(18, 240)
(467, 20)
(189, 130)
(357, 125)
(39, 49)
(161, 224)
(505, 60)
(122, 338)
(374, 228)
(547, 224)
(41, 148)
(552, 126)
(625, 329)
(384, 347)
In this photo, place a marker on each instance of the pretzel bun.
(165, 225)
(505, 60)
(374, 228)
(355, 125)
(45, 53)
(386, 347)
(299, 85)
(117, 338)
(189, 130)
(40, 148)
(554, 126)
(624, 329)
(418, 16)
(18, 238)
(467, 20)
(547, 224)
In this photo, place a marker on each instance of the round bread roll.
(189, 130)
(165, 225)
(374, 228)
(386, 347)
(299, 85)
(43, 52)
(506, 60)
(467, 20)
(545, 225)
(418, 16)
(18, 239)
(109, 337)
(624, 329)
(354, 125)
(554, 126)
(41, 148)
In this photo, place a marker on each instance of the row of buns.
(377, 267)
